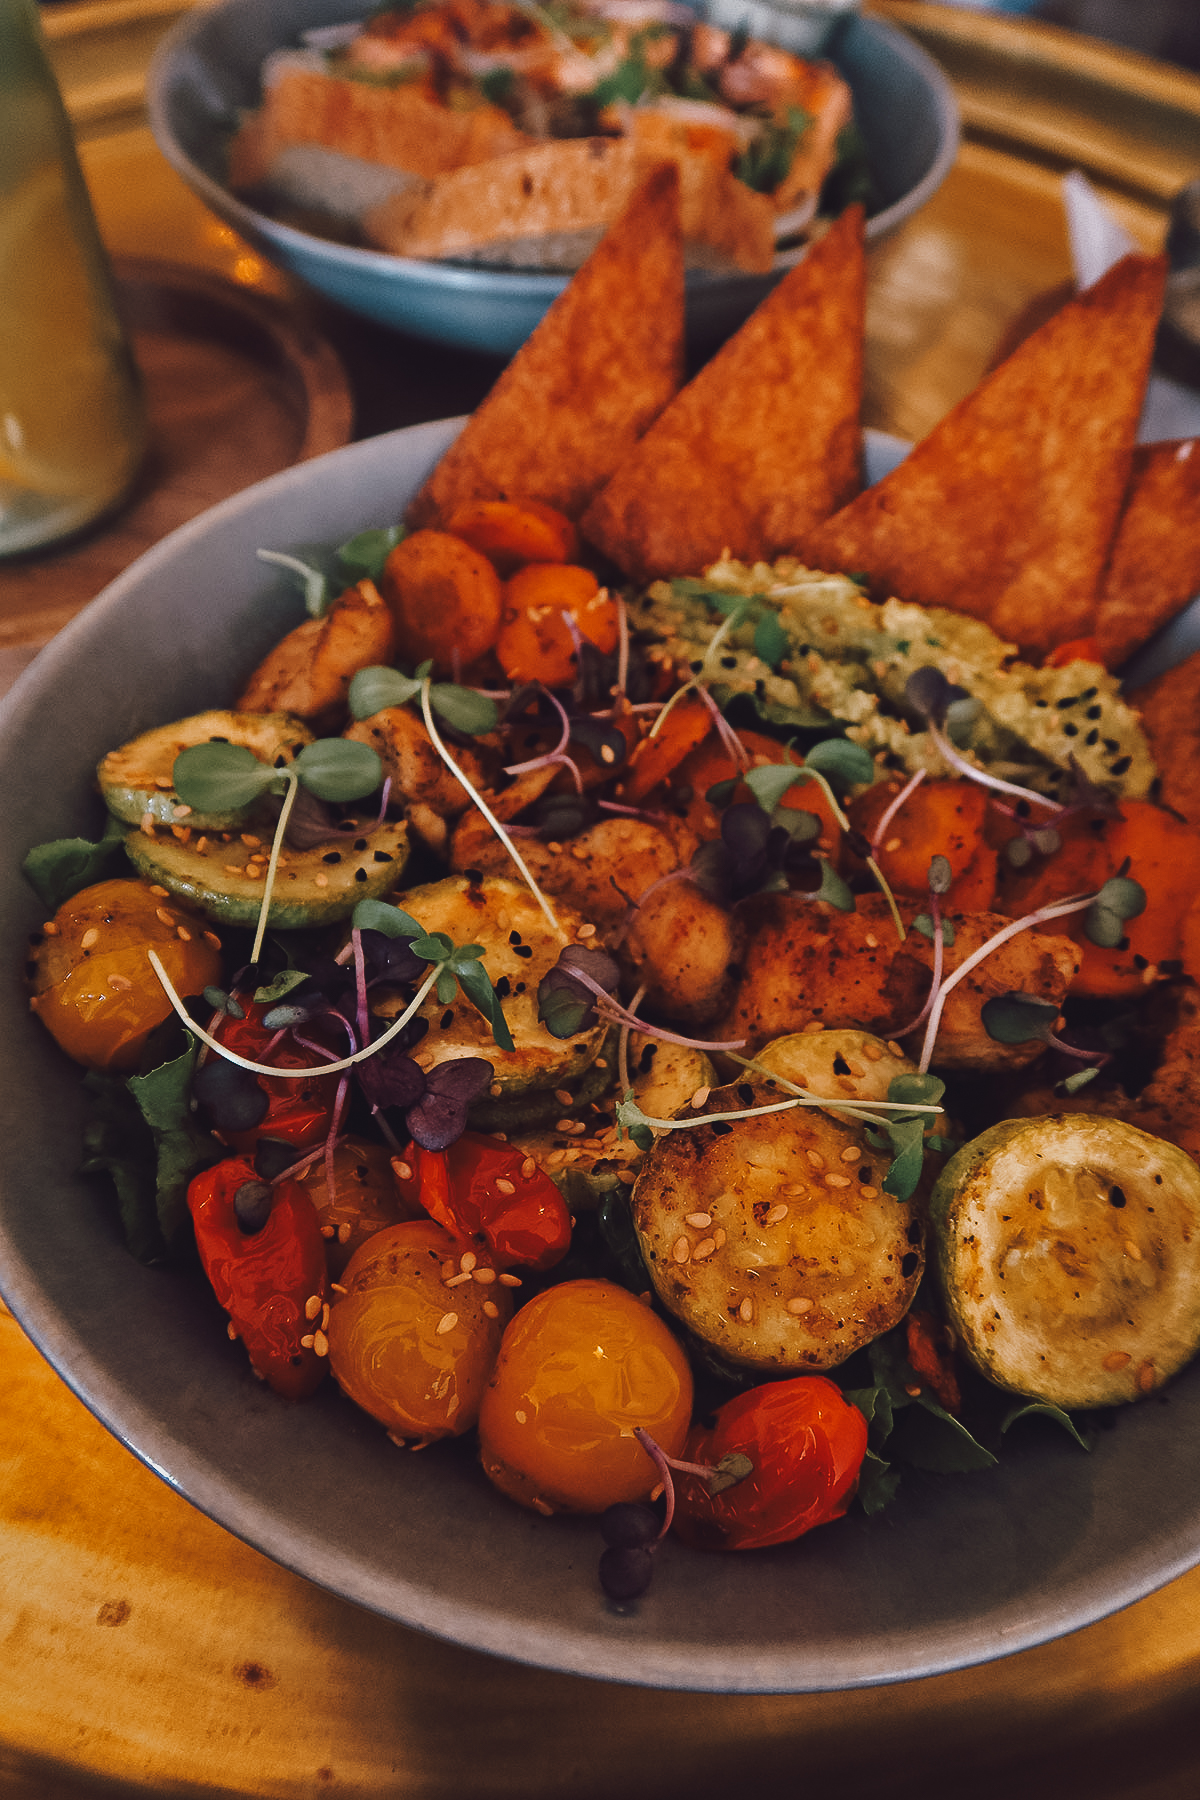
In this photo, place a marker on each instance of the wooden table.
(146, 1650)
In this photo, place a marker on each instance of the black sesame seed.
(908, 1264)
(383, 856)
(360, 874)
(745, 1093)
(334, 856)
(504, 987)
(1121, 765)
(522, 950)
(1070, 730)
(720, 1128)
(1092, 737)
(1095, 712)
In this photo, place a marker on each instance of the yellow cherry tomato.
(580, 1367)
(93, 986)
(409, 1349)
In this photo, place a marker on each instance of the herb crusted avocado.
(813, 651)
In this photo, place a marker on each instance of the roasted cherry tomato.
(355, 1195)
(483, 1189)
(298, 1112)
(412, 1336)
(93, 985)
(806, 1443)
(272, 1282)
(581, 1366)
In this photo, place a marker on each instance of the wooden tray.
(238, 383)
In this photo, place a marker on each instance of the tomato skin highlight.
(807, 1445)
(264, 1280)
(479, 1189)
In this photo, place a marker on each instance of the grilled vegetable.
(771, 1238)
(136, 780)
(1069, 1252)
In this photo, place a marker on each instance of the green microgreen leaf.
(771, 782)
(834, 889)
(392, 921)
(908, 1143)
(283, 984)
(339, 769)
(58, 870)
(473, 979)
(1072, 1083)
(222, 1002)
(770, 640)
(218, 777)
(1018, 1018)
(463, 709)
(366, 552)
(733, 1467)
(721, 792)
(878, 1483)
(1120, 899)
(307, 576)
(924, 924)
(1044, 1409)
(838, 759)
(375, 688)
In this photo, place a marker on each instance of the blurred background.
(1166, 28)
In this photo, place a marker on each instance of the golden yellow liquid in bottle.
(71, 425)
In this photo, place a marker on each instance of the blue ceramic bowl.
(206, 73)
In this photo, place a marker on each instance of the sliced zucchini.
(224, 873)
(838, 1065)
(1068, 1250)
(136, 780)
(519, 948)
(591, 1158)
(772, 1238)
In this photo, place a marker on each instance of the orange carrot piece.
(939, 818)
(686, 725)
(535, 641)
(445, 598)
(511, 533)
(710, 763)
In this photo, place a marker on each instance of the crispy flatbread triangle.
(1008, 508)
(1155, 563)
(601, 365)
(764, 442)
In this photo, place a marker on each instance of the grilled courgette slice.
(519, 949)
(224, 873)
(1068, 1250)
(772, 1238)
(137, 779)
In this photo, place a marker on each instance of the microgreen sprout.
(576, 993)
(309, 577)
(464, 709)
(1024, 1018)
(632, 1530)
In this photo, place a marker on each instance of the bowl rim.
(258, 226)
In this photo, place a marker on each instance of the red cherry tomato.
(299, 1112)
(271, 1282)
(806, 1443)
(485, 1189)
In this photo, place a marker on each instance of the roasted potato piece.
(1068, 1250)
(593, 872)
(772, 1238)
(431, 794)
(804, 962)
(310, 670)
(687, 951)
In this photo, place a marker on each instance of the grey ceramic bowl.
(961, 1569)
(206, 72)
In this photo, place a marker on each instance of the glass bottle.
(72, 427)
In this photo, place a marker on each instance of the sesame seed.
(1132, 1251)
(446, 1323)
(521, 1417)
(566, 1125)
(307, 1342)
(505, 1187)
(337, 1288)
(343, 1232)
(90, 937)
(251, 842)
(746, 1311)
(776, 1215)
(868, 1192)
(586, 931)
(813, 1026)
(180, 812)
(851, 1153)
(183, 934)
(1145, 1377)
(528, 1169)
(231, 1332)
(700, 1098)
(837, 1181)
(815, 1159)
(564, 1096)
(467, 1261)
(495, 1090)
(1117, 1359)
(121, 983)
(403, 1171)
(871, 941)
(794, 1191)
(627, 1175)
(321, 881)
(894, 1047)
(312, 1306)
(161, 893)
(50, 928)
(491, 1310)
(484, 1276)
(700, 1221)
(235, 869)
(202, 844)
(796, 1307)
(718, 1237)
(872, 1052)
(210, 937)
(146, 824)
(163, 916)
(681, 1250)
(327, 1231)
(325, 1316)
(703, 1249)
(457, 1280)
(913, 1391)
(320, 1343)
(507, 1280)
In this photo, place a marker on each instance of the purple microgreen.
(392, 1078)
(232, 1098)
(488, 814)
(439, 1117)
(565, 1005)
(556, 757)
(252, 1205)
(367, 551)
(309, 577)
(929, 693)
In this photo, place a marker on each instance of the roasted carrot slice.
(445, 598)
(536, 642)
(511, 533)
